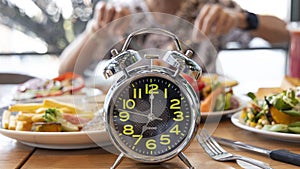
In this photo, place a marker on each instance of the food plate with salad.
(65, 84)
(276, 116)
(216, 95)
(215, 113)
(54, 124)
(235, 119)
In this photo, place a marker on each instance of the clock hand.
(156, 118)
(145, 127)
(151, 102)
(152, 115)
(133, 112)
(149, 116)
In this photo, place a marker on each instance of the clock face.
(150, 116)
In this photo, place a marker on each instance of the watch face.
(150, 116)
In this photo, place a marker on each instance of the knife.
(278, 155)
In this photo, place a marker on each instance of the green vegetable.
(286, 100)
(54, 115)
(294, 130)
(227, 101)
(276, 128)
(252, 96)
(260, 114)
(295, 124)
(292, 112)
(292, 96)
(214, 85)
(219, 106)
(280, 104)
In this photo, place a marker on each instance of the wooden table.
(17, 155)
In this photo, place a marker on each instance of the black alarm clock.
(151, 112)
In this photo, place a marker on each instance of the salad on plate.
(215, 93)
(277, 113)
(68, 83)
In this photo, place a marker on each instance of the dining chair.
(14, 78)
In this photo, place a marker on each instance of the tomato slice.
(68, 75)
(196, 86)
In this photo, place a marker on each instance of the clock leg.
(118, 161)
(185, 160)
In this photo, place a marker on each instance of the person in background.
(221, 21)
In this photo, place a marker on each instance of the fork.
(215, 151)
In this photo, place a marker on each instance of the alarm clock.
(151, 112)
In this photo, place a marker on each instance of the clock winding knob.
(189, 53)
(114, 52)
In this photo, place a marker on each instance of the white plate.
(274, 135)
(225, 112)
(58, 140)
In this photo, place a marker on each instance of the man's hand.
(216, 20)
(106, 13)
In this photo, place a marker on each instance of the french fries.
(37, 118)
(21, 121)
(29, 116)
(24, 116)
(12, 123)
(26, 108)
(41, 107)
(67, 107)
(5, 119)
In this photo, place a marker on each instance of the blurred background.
(34, 32)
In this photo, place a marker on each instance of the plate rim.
(59, 146)
(32, 133)
(12, 134)
(278, 135)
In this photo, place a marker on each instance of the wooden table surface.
(17, 155)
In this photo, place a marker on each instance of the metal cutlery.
(215, 151)
(279, 155)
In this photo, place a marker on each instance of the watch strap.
(252, 21)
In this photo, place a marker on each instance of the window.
(32, 31)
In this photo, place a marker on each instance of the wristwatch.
(252, 21)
